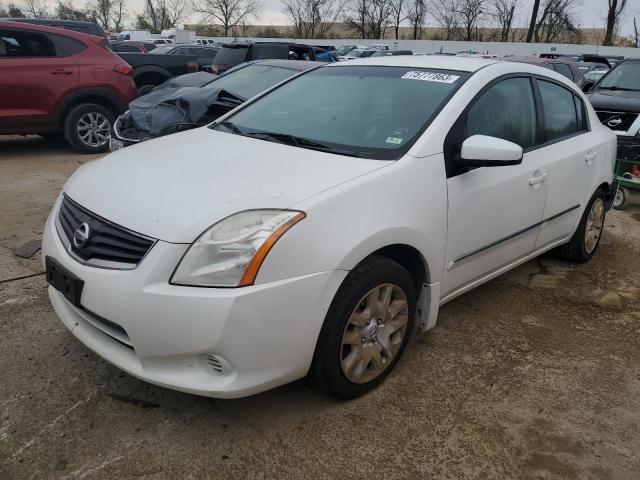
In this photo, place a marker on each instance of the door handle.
(538, 179)
(590, 157)
(61, 71)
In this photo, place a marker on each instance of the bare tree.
(356, 17)
(557, 19)
(470, 13)
(159, 15)
(229, 13)
(109, 13)
(532, 21)
(416, 15)
(445, 13)
(36, 8)
(378, 17)
(502, 12)
(313, 18)
(616, 7)
(398, 14)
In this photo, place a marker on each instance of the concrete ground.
(533, 375)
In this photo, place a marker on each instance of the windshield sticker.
(431, 77)
(394, 140)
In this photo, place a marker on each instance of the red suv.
(55, 81)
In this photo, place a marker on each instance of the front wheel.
(587, 236)
(366, 329)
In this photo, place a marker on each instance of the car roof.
(300, 65)
(536, 60)
(51, 22)
(47, 29)
(464, 64)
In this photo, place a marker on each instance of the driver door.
(494, 213)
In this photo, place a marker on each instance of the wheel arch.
(99, 96)
(410, 258)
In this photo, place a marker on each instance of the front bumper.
(260, 336)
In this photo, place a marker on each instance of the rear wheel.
(366, 329)
(587, 236)
(87, 128)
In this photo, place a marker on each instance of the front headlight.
(231, 252)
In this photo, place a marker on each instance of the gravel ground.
(533, 375)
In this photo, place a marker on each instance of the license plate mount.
(63, 280)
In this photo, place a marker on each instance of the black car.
(193, 100)
(616, 100)
(204, 54)
(82, 27)
(232, 54)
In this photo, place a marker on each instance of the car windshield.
(341, 116)
(247, 82)
(344, 49)
(626, 76)
(357, 53)
(231, 55)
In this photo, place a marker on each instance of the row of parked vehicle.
(190, 84)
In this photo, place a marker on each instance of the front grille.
(619, 121)
(106, 244)
(628, 148)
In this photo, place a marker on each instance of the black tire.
(143, 90)
(575, 250)
(70, 127)
(326, 368)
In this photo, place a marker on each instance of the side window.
(548, 66)
(563, 69)
(560, 117)
(25, 44)
(506, 110)
(66, 46)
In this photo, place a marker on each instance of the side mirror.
(484, 151)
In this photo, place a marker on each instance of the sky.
(592, 13)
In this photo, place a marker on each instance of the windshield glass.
(625, 76)
(366, 111)
(357, 53)
(344, 49)
(247, 82)
(231, 56)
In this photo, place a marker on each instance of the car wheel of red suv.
(87, 128)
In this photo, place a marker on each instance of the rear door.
(36, 72)
(570, 151)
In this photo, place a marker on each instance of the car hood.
(175, 187)
(186, 101)
(615, 100)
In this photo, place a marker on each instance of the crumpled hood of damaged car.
(175, 187)
(175, 103)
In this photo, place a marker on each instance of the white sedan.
(314, 229)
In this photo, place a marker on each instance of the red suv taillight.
(193, 67)
(123, 68)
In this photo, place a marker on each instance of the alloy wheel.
(93, 129)
(374, 333)
(594, 225)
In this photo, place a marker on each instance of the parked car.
(315, 228)
(149, 71)
(356, 53)
(204, 55)
(390, 53)
(378, 46)
(160, 41)
(616, 100)
(343, 50)
(232, 54)
(323, 55)
(594, 77)
(195, 99)
(127, 47)
(565, 68)
(73, 25)
(205, 41)
(61, 82)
